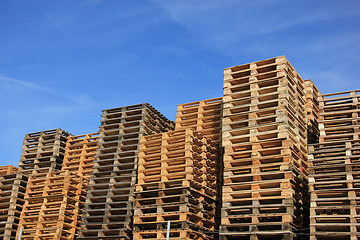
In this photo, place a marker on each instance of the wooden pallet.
(236, 105)
(178, 230)
(153, 198)
(9, 169)
(283, 231)
(179, 234)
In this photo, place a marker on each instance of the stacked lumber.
(52, 204)
(203, 116)
(80, 154)
(43, 151)
(265, 157)
(108, 209)
(12, 190)
(335, 169)
(177, 183)
(312, 111)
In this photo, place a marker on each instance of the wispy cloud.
(221, 23)
(78, 99)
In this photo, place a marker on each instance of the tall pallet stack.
(12, 190)
(335, 169)
(312, 111)
(177, 183)
(43, 151)
(54, 200)
(52, 204)
(108, 208)
(203, 116)
(265, 159)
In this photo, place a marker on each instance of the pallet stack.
(265, 159)
(12, 190)
(54, 200)
(43, 151)
(177, 183)
(109, 201)
(52, 206)
(80, 154)
(203, 116)
(335, 169)
(339, 116)
(236, 167)
(312, 111)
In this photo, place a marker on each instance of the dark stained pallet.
(43, 151)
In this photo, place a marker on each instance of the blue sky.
(62, 62)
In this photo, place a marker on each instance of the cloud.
(78, 98)
(222, 22)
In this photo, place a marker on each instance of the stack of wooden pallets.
(12, 190)
(335, 169)
(265, 159)
(177, 183)
(52, 205)
(239, 166)
(54, 201)
(108, 209)
(43, 151)
(339, 116)
(80, 154)
(312, 111)
(203, 116)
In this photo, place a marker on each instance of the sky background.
(62, 62)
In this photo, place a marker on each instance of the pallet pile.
(108, 209)
(54, 200)
(312, 111)
(177, 183)
(80, 154)
(239, 166)
(265, 161)
(12, 190)
(339, 116)
(203, 116)
(52, 206)
(43, 151)
(335, 169)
